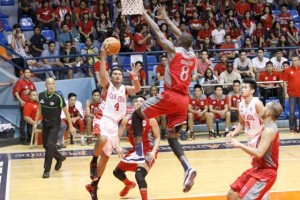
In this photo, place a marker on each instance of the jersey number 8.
(184, 73)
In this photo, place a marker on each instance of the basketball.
(112, 45)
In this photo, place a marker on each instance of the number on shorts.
(117, 106)
(184, 73)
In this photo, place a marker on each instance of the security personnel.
(50, 105)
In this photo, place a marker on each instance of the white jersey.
(113, 103)
(253, 125)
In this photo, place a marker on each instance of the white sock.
(226, 129)
(82, 137)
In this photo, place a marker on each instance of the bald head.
(275, 109)
(186, 40)
(50, 85)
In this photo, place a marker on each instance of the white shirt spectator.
(218, 36)
(259, 65)
(278, 64)
(18, 45)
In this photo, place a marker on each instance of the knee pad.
(233, 116)
(119, 174)
(140, 175)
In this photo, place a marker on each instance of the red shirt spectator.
(202, 34)
(220, 67)
(189, 9)
(283, 19)
(45, 13)
(199, 104)
(80, 12)
(235, 33)
(161, 70)
(273, 76)
(217, 104)
(21, 87)
(139, 47)
(258, 8)
(30, 109)
(142, 76)
(247, 22)
(267, 21)
(69, 23)
(86, 26)
(97, 66)
(291, 76)
(60, 12)
(227, 46)
(241, 7)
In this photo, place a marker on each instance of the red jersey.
(283, 20)
(291, 75)
(179, 71)
(202, 34)
(267, 21)
(199, 104)
(86, 27)
(189, 8)
(235, 99)
(265, 76)
(217, 104)
(270, 159)
(30, 109)
(45, 13)
(94, 107)
(73, 111)
(22, 85)
(139, 47)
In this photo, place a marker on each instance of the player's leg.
(210, 125)
(233, 118)
(191, 125)
(80, 124)
(163, 125)
(89, 122)
(226, 116)
(237, 186)
(140, 176)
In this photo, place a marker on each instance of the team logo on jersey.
(75, 110)
(51, 103)
(274, 78)
(26, 87)
(92, 107)
(202, 103)
(292, 72)
(266, 78)
(34, 106)
(193, 102)
(222, 102)
(42, 101)
(234, 99)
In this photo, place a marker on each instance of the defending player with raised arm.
(173, 102)
(105, 124)
(150, 138)
(249, 113)
(256, 181)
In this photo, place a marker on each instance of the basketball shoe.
(134, 158)
(126, 189)
(189, 177)
(93, 191)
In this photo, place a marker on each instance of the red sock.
(127, 181)
(144, 194)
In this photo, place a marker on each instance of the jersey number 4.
(117, 106)
(184, 73)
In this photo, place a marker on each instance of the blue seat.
(294, 14)
(126, 65)
(151, 61)
(81, 46)
(5, 25)
(26, 24)
(3, 39)
(287, 109)
(48, 34)
(297, 25)
(3, 15)
(7, 2)
(276, 13)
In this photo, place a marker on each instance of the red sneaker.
(126, 189)
(92, 190)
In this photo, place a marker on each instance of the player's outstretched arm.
(163, 14)
(131, 90)
(158, 34)
(156, 135)
(104, 81)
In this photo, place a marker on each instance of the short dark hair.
(252, 83)
(198, 86)
(227, 35)
(16, 26)
(260, 48)
(218, 86)
(242, 51)
(236, 81)
(138, 62)
(204, 50)
(286, 62)
(138, 28)
(163, 56)
(68, 41)
(283, 5)
(27, 69)
(71, 95)
(269, 63)
(94, 91)
(51, 42)
(115, 69)
(35, 27)
(139, 96)
(31, 91)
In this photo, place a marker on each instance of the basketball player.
(173, 102)
(92, 106)
(150, 138)
(105, 124)
(234, 98)
(256, 181)
(249, 113)
(198, 111)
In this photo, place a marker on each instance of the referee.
(50, 105)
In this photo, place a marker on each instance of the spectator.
(225, 6)
(228, 45)
(218, 35)
(292, 33)
(26, 8)
(46, 17)
(278, 60)
(117, 10)
(61, 11)
(126, 39)
(80, 11)
(198, 111)
(208, 79)
(64, 36)
(248, 24)
(218, 109)
(68, 20)
(100, 9)
(211, 19)
(258, 9)
(160, 69)
(284, 43)
(207, 44)
(292, 91)
(229, 76)
(259, 35)
(195, 24)
(69, 61)
(76, 114)
(141, 76)
(188, 9)
(202, 65)
(235, 33)
(140, 42)
(241, 7)
(102, 26)
(92, 106)
(203, 33)
(37, 42)
(21, 91)
(285, 65)
(74, 4)
(86, 28)
(284, 17)
(173, 8)
(90, 50)
(52, 62)
(221, 67)
(247, 45)
(177, 18)
(33, 64)
(259, 62)
(234, 97)
(16, 41)
(270, 89)
(207, 5)
(268, 18)
(243, 65)
(230, 18)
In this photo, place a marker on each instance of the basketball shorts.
(254, 183)
(171, 104)
(133, 167)
(108, 127)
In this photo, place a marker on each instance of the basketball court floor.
(218, 165)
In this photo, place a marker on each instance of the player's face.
(246, 90)
(295, 61)
(117, 76)
(138, 102)
(96, 96)
(72, 101)
(236, 87)
(33, 96)
(197, 92)
(219, 92)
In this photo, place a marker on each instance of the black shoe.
(92, 190)
(210, 135)
(46, 174)
(93, 171)
(216, 135)
(59, 163)
(162, 136)
(225, 134)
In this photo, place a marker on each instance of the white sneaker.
(189, 177)
(134, 158)
(82, 142)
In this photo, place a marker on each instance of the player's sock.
(226, 129)
(177, 149)
(139, 149)
(95, 183)
(144, 194)
(127, 181)
(94, 159)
